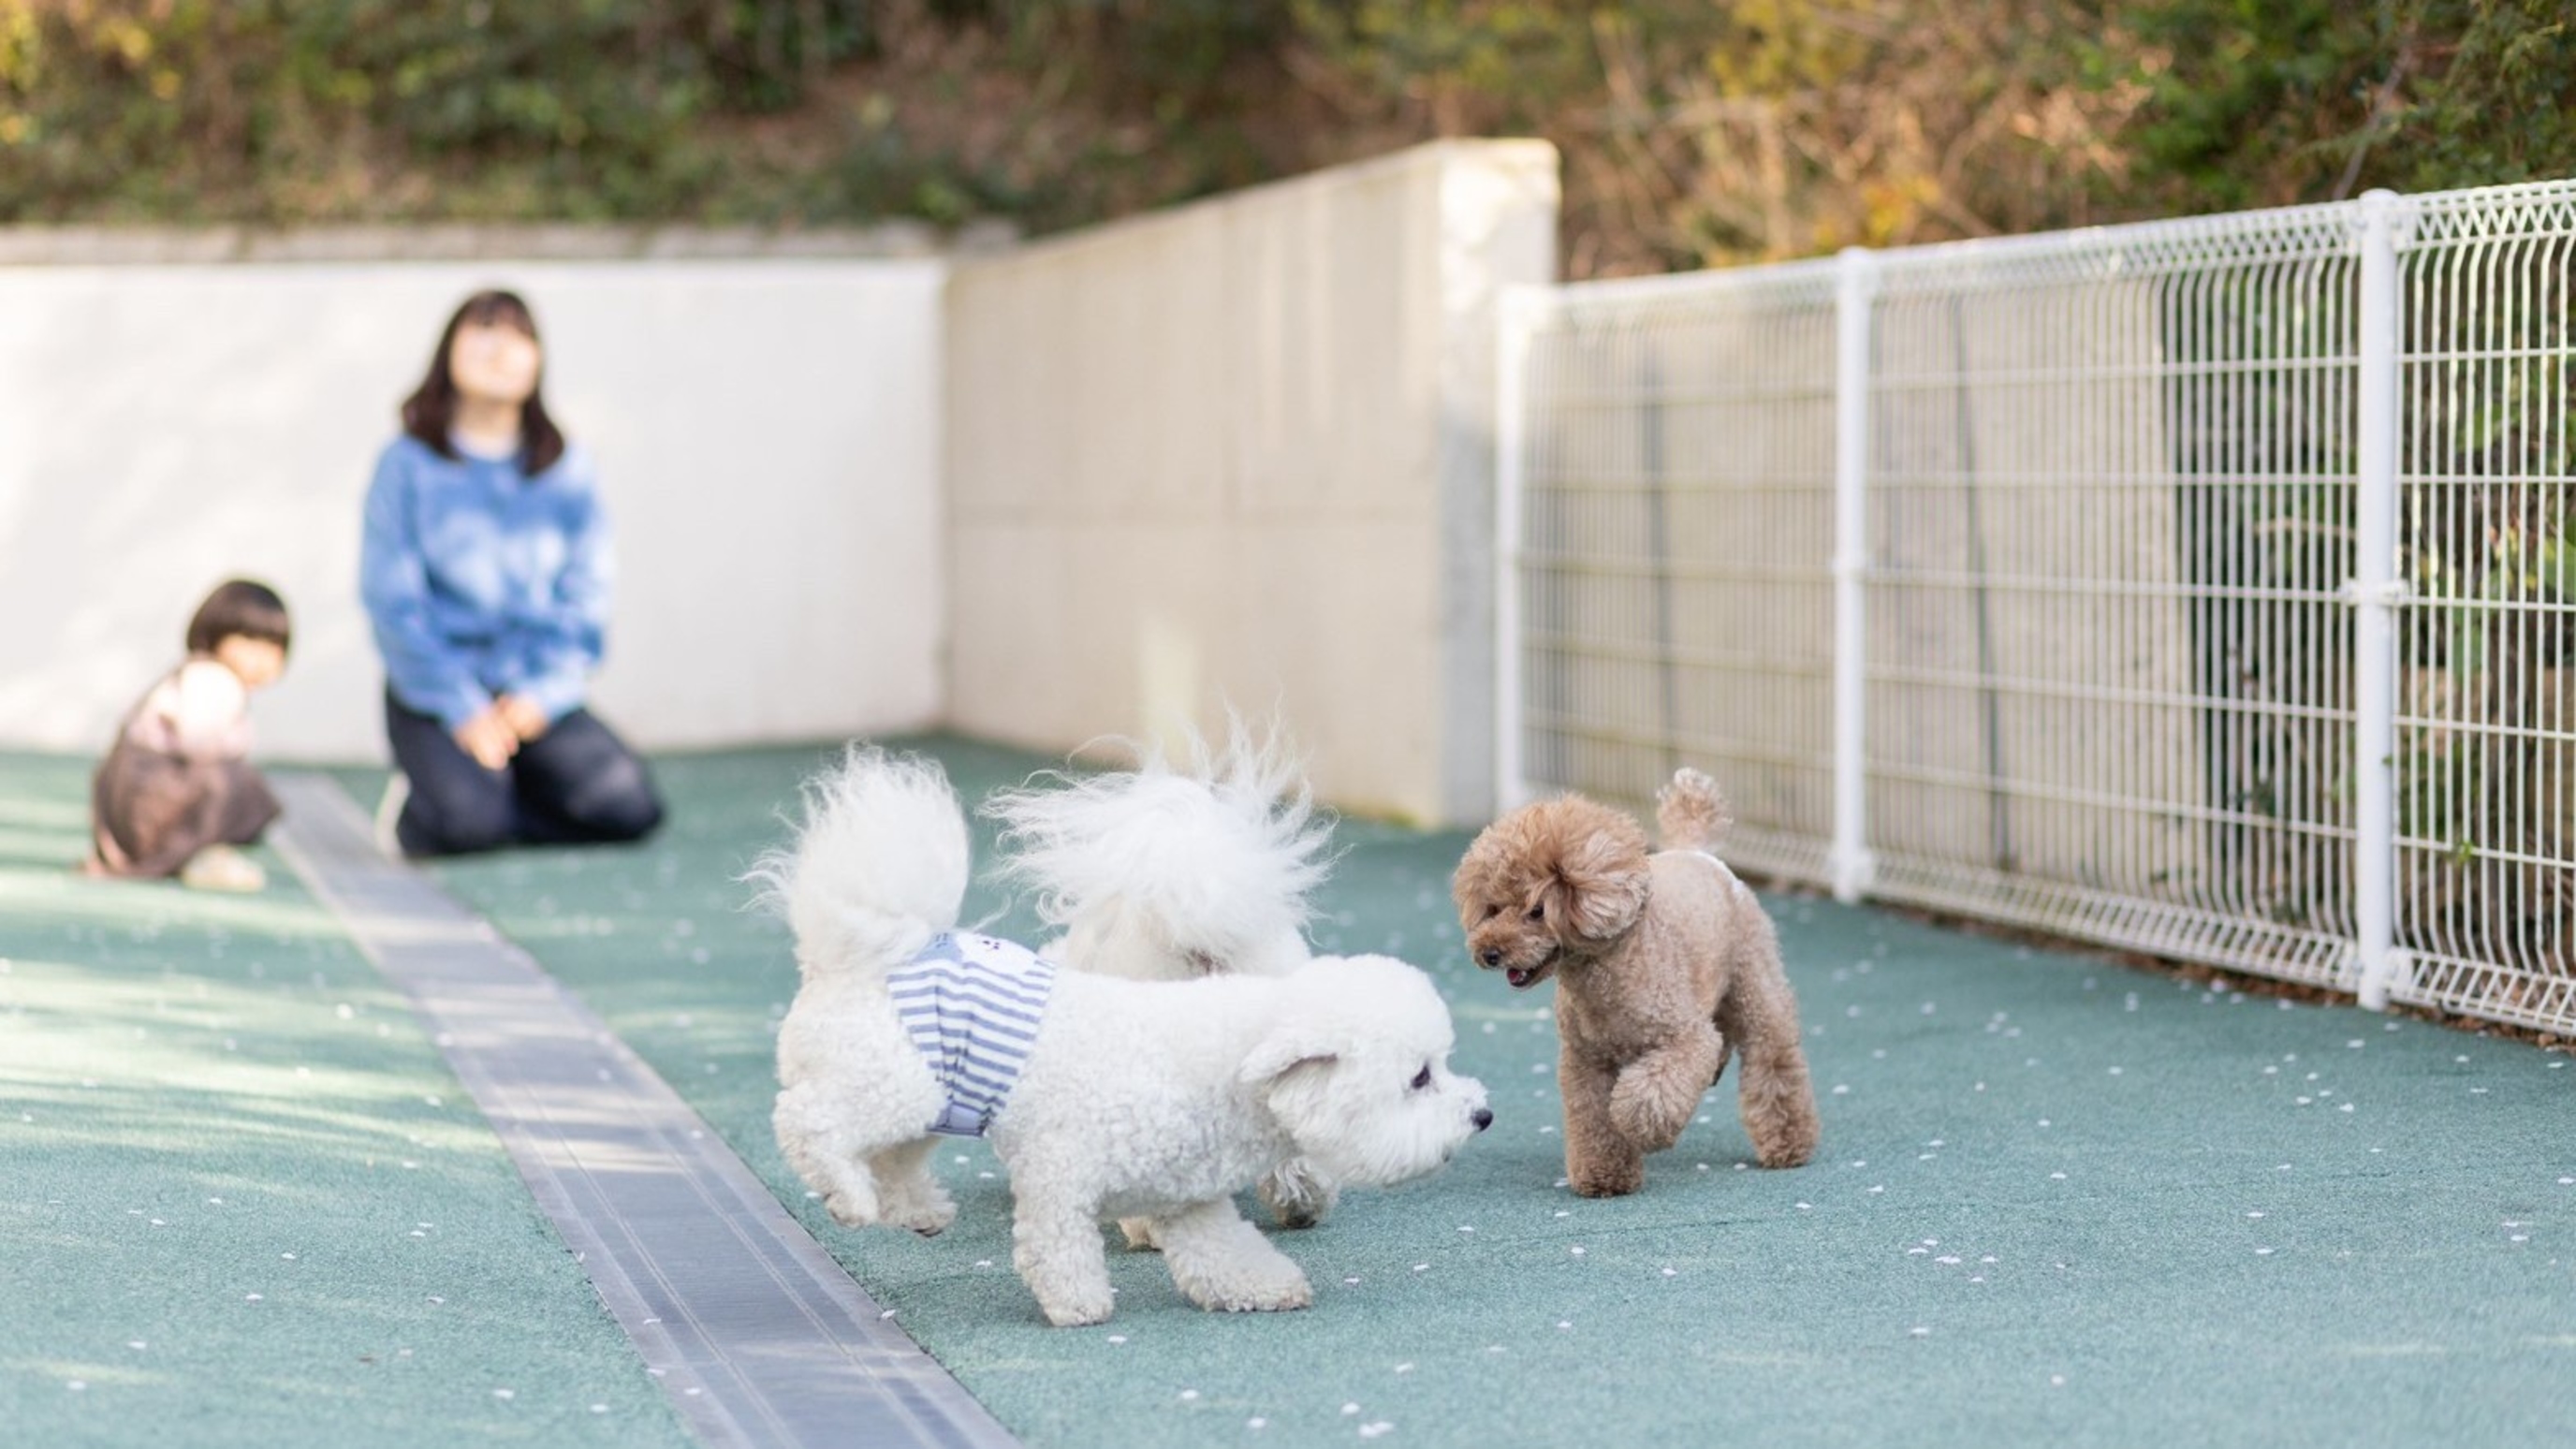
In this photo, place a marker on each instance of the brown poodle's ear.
(1472, 888)
(1600, 885)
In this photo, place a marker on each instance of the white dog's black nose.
(1493, 956)
(1483, 1117)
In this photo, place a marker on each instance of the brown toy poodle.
(1665, 965)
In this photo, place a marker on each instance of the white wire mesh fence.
(2204, 587)
(2485, 741)
(1674, 602)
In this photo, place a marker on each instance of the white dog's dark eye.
(1422, 1079)
(1538, 912)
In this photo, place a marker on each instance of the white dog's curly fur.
(1147, 1099)
(1179, 868)
(1172, 869)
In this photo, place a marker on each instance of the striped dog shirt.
(971, 1005)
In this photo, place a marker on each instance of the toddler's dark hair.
(238, 606)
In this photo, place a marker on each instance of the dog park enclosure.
(2205, 587)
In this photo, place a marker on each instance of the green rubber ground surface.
(2059, 1201)
(242, 1201)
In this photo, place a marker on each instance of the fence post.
(1849, 861)
(2376, 591)
(1515, 314)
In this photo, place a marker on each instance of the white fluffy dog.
(1172, 871)
(1147, 1099)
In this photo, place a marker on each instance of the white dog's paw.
(1076, 1308)
(853, 1207)
(1253, 1288)
(928, 1214)
(1140, 1234)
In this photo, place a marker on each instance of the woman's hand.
(488, 737)
(527, 721)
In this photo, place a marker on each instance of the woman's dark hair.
(431, 409)
(238, 606)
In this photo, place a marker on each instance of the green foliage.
(2266, 102)
(294, 109)
(2504, 108)
(1693, 132)
(1510, 62)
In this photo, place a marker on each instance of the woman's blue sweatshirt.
(482, 581)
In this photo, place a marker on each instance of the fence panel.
(1675, 496)
(2486, 725)
(2109, 691)
(2119, 623)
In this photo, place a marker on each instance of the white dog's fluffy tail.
(1174, 869)
(879, 866)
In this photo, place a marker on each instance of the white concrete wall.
(1241, 451)
(767, 433)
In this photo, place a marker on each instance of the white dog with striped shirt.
(1193, 863)
(1102, 1096)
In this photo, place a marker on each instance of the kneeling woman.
(486, 571)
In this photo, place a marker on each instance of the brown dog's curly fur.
(1665, 965)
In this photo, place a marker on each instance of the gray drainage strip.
(756, 1334)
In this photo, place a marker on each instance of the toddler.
(177, 791)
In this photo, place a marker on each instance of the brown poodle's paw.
(1607, 1181)
(1781, 1122)
(1642, 1112)
(1789, 1143)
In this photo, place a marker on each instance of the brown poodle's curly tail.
(1690, 813)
